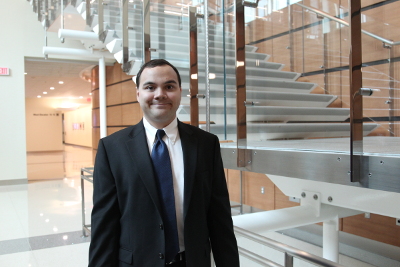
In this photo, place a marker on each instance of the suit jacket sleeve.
(222, 237)
(105, 226)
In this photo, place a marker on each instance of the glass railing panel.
(112, 16)
(379, 73)
(135, 30)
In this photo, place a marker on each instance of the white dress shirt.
(173, 142)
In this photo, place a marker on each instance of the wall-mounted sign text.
(4, 71)
(45, 114)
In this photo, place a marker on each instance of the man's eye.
(149, 87)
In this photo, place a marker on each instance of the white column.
(330, 240)
(102, 98)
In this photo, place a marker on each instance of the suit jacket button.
(161, 256)
(161, 226)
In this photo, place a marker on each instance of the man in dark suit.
(132, 223)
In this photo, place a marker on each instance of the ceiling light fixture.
(39, 96)
(45, 93)
(52, 88)
(90, 93)
(61, 82)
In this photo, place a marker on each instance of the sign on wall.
(4, 71)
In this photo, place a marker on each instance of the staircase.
(283, 108)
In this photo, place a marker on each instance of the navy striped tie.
(162, 168)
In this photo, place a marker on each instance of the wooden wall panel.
(282, 201)
(95, 98)
(114, 94)
(111, 130)
(233, 182)
(281, 53)
(128, 92)
(95, 137)
(95, 117)
(122, 111)
(95, 78)
(131, 114)
(379, 228)
(114, 116)
(253, 182)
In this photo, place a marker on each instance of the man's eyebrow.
(171, 81)
(150, 82)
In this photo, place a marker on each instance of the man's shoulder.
(122, 134)
(190, 129)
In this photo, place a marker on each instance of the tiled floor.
(41, 222)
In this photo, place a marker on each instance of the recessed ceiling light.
(45, 93)
(90, 93)
(25, 73)
(81, 97)
(52, 88)
(61, 82)
(39, 96)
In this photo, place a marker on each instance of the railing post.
(193, 71)
(330, 240)
(146, 53)
(207, 69)
(88, 13)
(83, 203)
(240, 54)
(288, 260)
(356, 101)
(126, 64)
(100, 19)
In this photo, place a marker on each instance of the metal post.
(392, 84)
(88, 13)
(356, 103)
(241, 192)
(330, 240)
(62, 19)
(102, 98)
(126, 64)
(100, 19)
(291, 38)
(288, 260)
(240, 54)
(193, 71)
(207, 70)
(146, 53)
(83, 204)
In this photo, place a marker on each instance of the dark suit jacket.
(127, 228)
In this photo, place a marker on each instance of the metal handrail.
(257, 258)
(86, 174)
(289, 251)
(343, 22)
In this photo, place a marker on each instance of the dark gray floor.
(41, 242)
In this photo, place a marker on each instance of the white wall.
(22, 36)
(43, 125)
(78, 127)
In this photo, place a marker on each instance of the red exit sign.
(4, 71)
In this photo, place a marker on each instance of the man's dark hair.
(156, 63)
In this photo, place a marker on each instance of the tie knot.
(160, 134)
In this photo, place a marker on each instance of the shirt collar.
(171, 130)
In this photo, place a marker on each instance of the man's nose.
(159, 93)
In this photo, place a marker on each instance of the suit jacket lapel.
(189, 149)
(138, 150)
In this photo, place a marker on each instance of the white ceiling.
(41, 75)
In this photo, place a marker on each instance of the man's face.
(159, 95)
